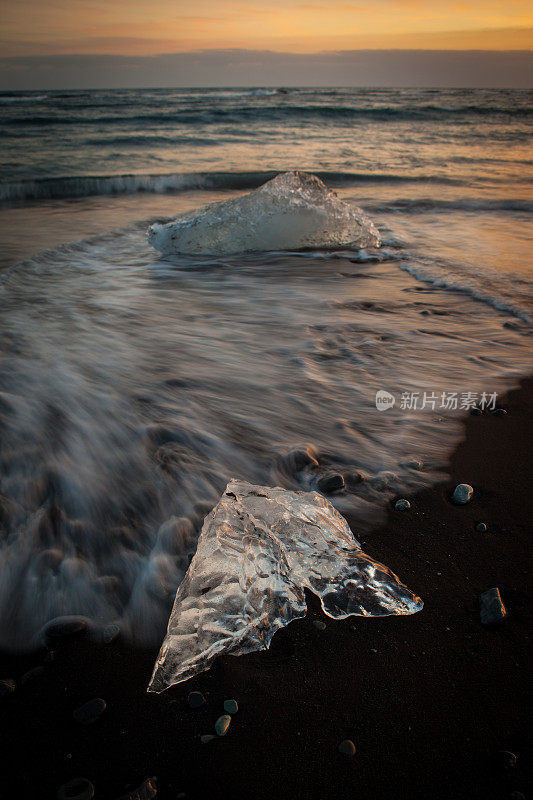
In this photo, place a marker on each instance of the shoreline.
(429, 700)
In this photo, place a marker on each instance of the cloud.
(419, 68)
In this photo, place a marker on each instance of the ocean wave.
(267, 113)
(478, 287)
(142, 140)
(85, 186)
(424, 205)
(23, 98)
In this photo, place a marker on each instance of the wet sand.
(429, 700)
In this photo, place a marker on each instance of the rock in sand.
(62, 628)
(90, 712)
(76, 789)
(231, 706)
(462, 494)
(347, 747)
(146, 791)
(331, 483)
(491, 607)
(222, 724)
(195, 700)
(402, 505)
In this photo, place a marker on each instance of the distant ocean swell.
(85, 186)
(272, 113)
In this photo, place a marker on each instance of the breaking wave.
(274, 113)
(428, 205)
(85, 186)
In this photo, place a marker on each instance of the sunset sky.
(142, 27)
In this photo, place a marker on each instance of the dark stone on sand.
(331, 483)
(347, 747)
(506, 759)
(462, 494)
(402, 505)
(7, 687)
(481, 527)
(31, 674)
(76, 789)
(146, 791)
(195, 700)
(110, 633)
(63, 628)
(222, 724)
(231, 706)
(499, 412)
(90, 712)
(319, 624)
(159, 434)
(299, 458)
(353, 478)
(491, 607)
(475, 411)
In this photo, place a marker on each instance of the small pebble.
(7, 686)
(475, 411)
(331, 483)
(231, 706)
(507, 759)
(195, 700)
(110, 633)
(300, 458)
(63, 628)
(500, 412)
(90, 712)
(355, 477)
(347, 747)
(402, 505)
(36, 672)
(146, 791)
(76, 789)
(481, 527)
(222, 724)
(462, 494)
(491, 607)
(207, 737)
(318, 623)
(415, 463)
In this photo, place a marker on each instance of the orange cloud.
(141, 27)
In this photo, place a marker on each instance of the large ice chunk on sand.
(259, 547)
(291, 212)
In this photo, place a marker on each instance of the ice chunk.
(291, 212)
(259, 547)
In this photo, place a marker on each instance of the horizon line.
(273, 52)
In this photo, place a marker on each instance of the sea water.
(132, 388)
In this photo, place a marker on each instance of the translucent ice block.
(291, 212)
(259, 547)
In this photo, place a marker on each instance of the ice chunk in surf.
(293, 211)
(259, 547)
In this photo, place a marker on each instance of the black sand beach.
(430, 701)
